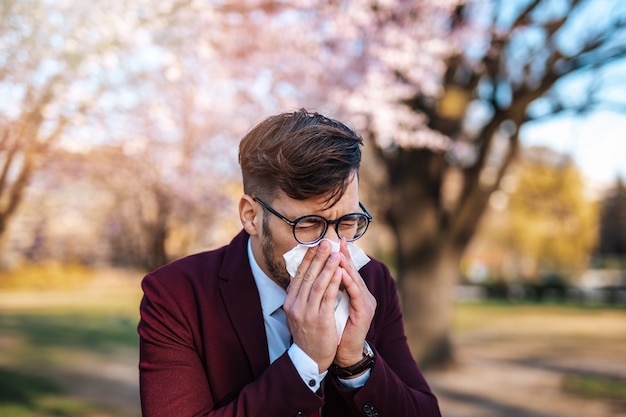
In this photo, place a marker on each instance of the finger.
(356, 288)
(296, 281)
(309, 271)
(348, 263)
(322, 289)
(362, 302)
(343, 248)
(349, 283)
(351, 269)
(327, 304)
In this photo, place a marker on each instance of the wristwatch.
(366, 363)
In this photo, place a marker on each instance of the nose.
(331, 233)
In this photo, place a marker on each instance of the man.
(231, 333)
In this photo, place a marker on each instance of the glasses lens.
(352, 226)
(308, 229)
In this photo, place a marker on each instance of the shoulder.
(200, 271)
(181, 278)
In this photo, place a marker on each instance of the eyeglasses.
(311, 228)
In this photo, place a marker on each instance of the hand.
(362, 309)
(310, 303)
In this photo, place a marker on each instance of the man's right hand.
(310, 304)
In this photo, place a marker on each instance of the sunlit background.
(494, 164)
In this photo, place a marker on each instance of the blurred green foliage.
(596, 386)
(92, 331)
(541, 224)
(23, 395)
(19, 389)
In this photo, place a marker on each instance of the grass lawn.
(74, 353)
(70, 353)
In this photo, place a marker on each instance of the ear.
(251, 215)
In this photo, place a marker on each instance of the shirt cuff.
(356, 382)
(306, 367)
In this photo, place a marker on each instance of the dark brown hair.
(303, 154)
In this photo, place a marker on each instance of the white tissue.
(293, 259)
(342, 312)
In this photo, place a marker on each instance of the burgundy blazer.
(203, 349)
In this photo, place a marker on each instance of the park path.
(514, 373)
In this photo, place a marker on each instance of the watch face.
(367, 349)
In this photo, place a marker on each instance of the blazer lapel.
(241, 299)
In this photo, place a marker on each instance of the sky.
(596, 140)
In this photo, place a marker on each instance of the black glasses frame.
(293, 223)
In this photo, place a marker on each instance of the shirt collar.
(271, 294)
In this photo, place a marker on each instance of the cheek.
(284, 243)
(276, 243)
(274, 261)
(280, 238)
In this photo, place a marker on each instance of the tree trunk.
(429, 244)
(427, 293)
(427, 267)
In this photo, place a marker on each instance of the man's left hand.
(362, 308)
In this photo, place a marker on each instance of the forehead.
(347, 203)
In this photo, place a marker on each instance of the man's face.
(277, 236)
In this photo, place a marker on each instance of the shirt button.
(300, 414)
(312, 383)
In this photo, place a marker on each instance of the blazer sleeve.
(173, 374)
(396, 386)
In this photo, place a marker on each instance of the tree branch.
(524, 17)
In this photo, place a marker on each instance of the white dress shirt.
(278, 336)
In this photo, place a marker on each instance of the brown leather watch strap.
(366, 363)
